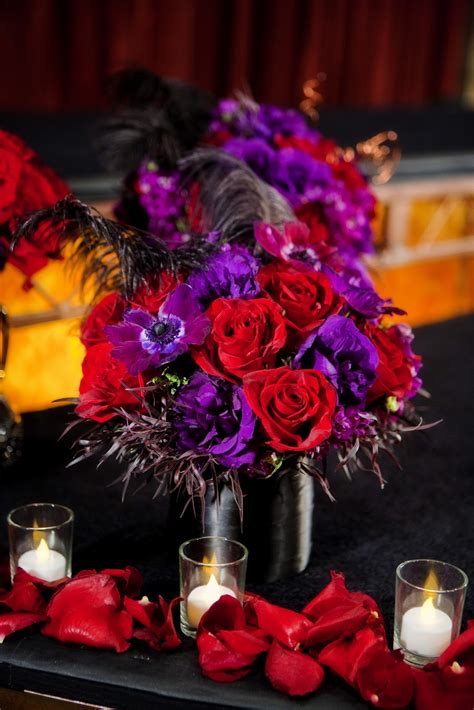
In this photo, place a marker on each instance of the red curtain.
(55, 54)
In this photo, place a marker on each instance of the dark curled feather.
(110, 256)
(233, 198)
(154, 118)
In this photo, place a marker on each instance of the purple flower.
(341, 352)
(355, 285)
(256, 153)
(229, 274)
(142, 340)
(214, 417)
(164, 200)
(294, 173)
(246, 118)
(350, 423)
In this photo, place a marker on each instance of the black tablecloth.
(425, 510)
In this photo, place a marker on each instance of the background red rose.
(107, 312)
(27, 185)
(152, 295)
(306, 297)
(103, 385)
(295, 407)
(245, 336)
(395, 370)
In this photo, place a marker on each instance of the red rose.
(107, 312)
(105, 385)
(26, 185)
(151, 296)
(395, 371)
(295, 407)
(245, 336)
(306, 297)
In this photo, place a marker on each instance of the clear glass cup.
(209, 567)
(40, 537)
(429, 601)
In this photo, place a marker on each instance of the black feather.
(154, 118)
(233, 198)
(110, 256)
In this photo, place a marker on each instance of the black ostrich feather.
(110, 256)
(233, 198)
(155, 118)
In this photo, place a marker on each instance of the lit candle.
(426, 630)
(44, 563)
(200, 599)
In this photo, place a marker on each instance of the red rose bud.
(106, 386)
(306, 297)
(89, 610)
(396, 369)
(292, 672)
(386, 680)
(228, 646)
(17, 621)
(295, 407)
(158, 629)
(245, 336)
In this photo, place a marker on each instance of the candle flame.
(209, 562)
(42, 551)
(431, 584)
(38, 535)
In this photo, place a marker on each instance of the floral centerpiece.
(238, 336)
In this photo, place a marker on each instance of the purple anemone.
(143, 340)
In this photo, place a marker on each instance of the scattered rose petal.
(346, 655)
(292, 672)
(128, 580)
(158, 630)
(88, 610)
(286, 626)
(10, 623)
(228, 647)
(23, 596)
(385, 680)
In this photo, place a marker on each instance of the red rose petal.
(158, 630)
(345, 656)
(461, 649)
(450, 688)
(288, 627)
(386, 680)
(345, 620)
(128, 580)
(88, 610)
(24, 596)
(292, 672)
(226, 613)
(218, 662)
(10, 623)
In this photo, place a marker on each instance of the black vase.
(276, 528)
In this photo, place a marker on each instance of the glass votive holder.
(209, 567)
(40, 537)
(429, 601)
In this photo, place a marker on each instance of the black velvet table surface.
(425, 510)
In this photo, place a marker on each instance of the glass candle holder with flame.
(40, 537)
(209, 568)
(429, 601)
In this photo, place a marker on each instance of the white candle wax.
(200, 599)
(426, 630)
(44, 563)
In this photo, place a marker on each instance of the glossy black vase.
(277, 523)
